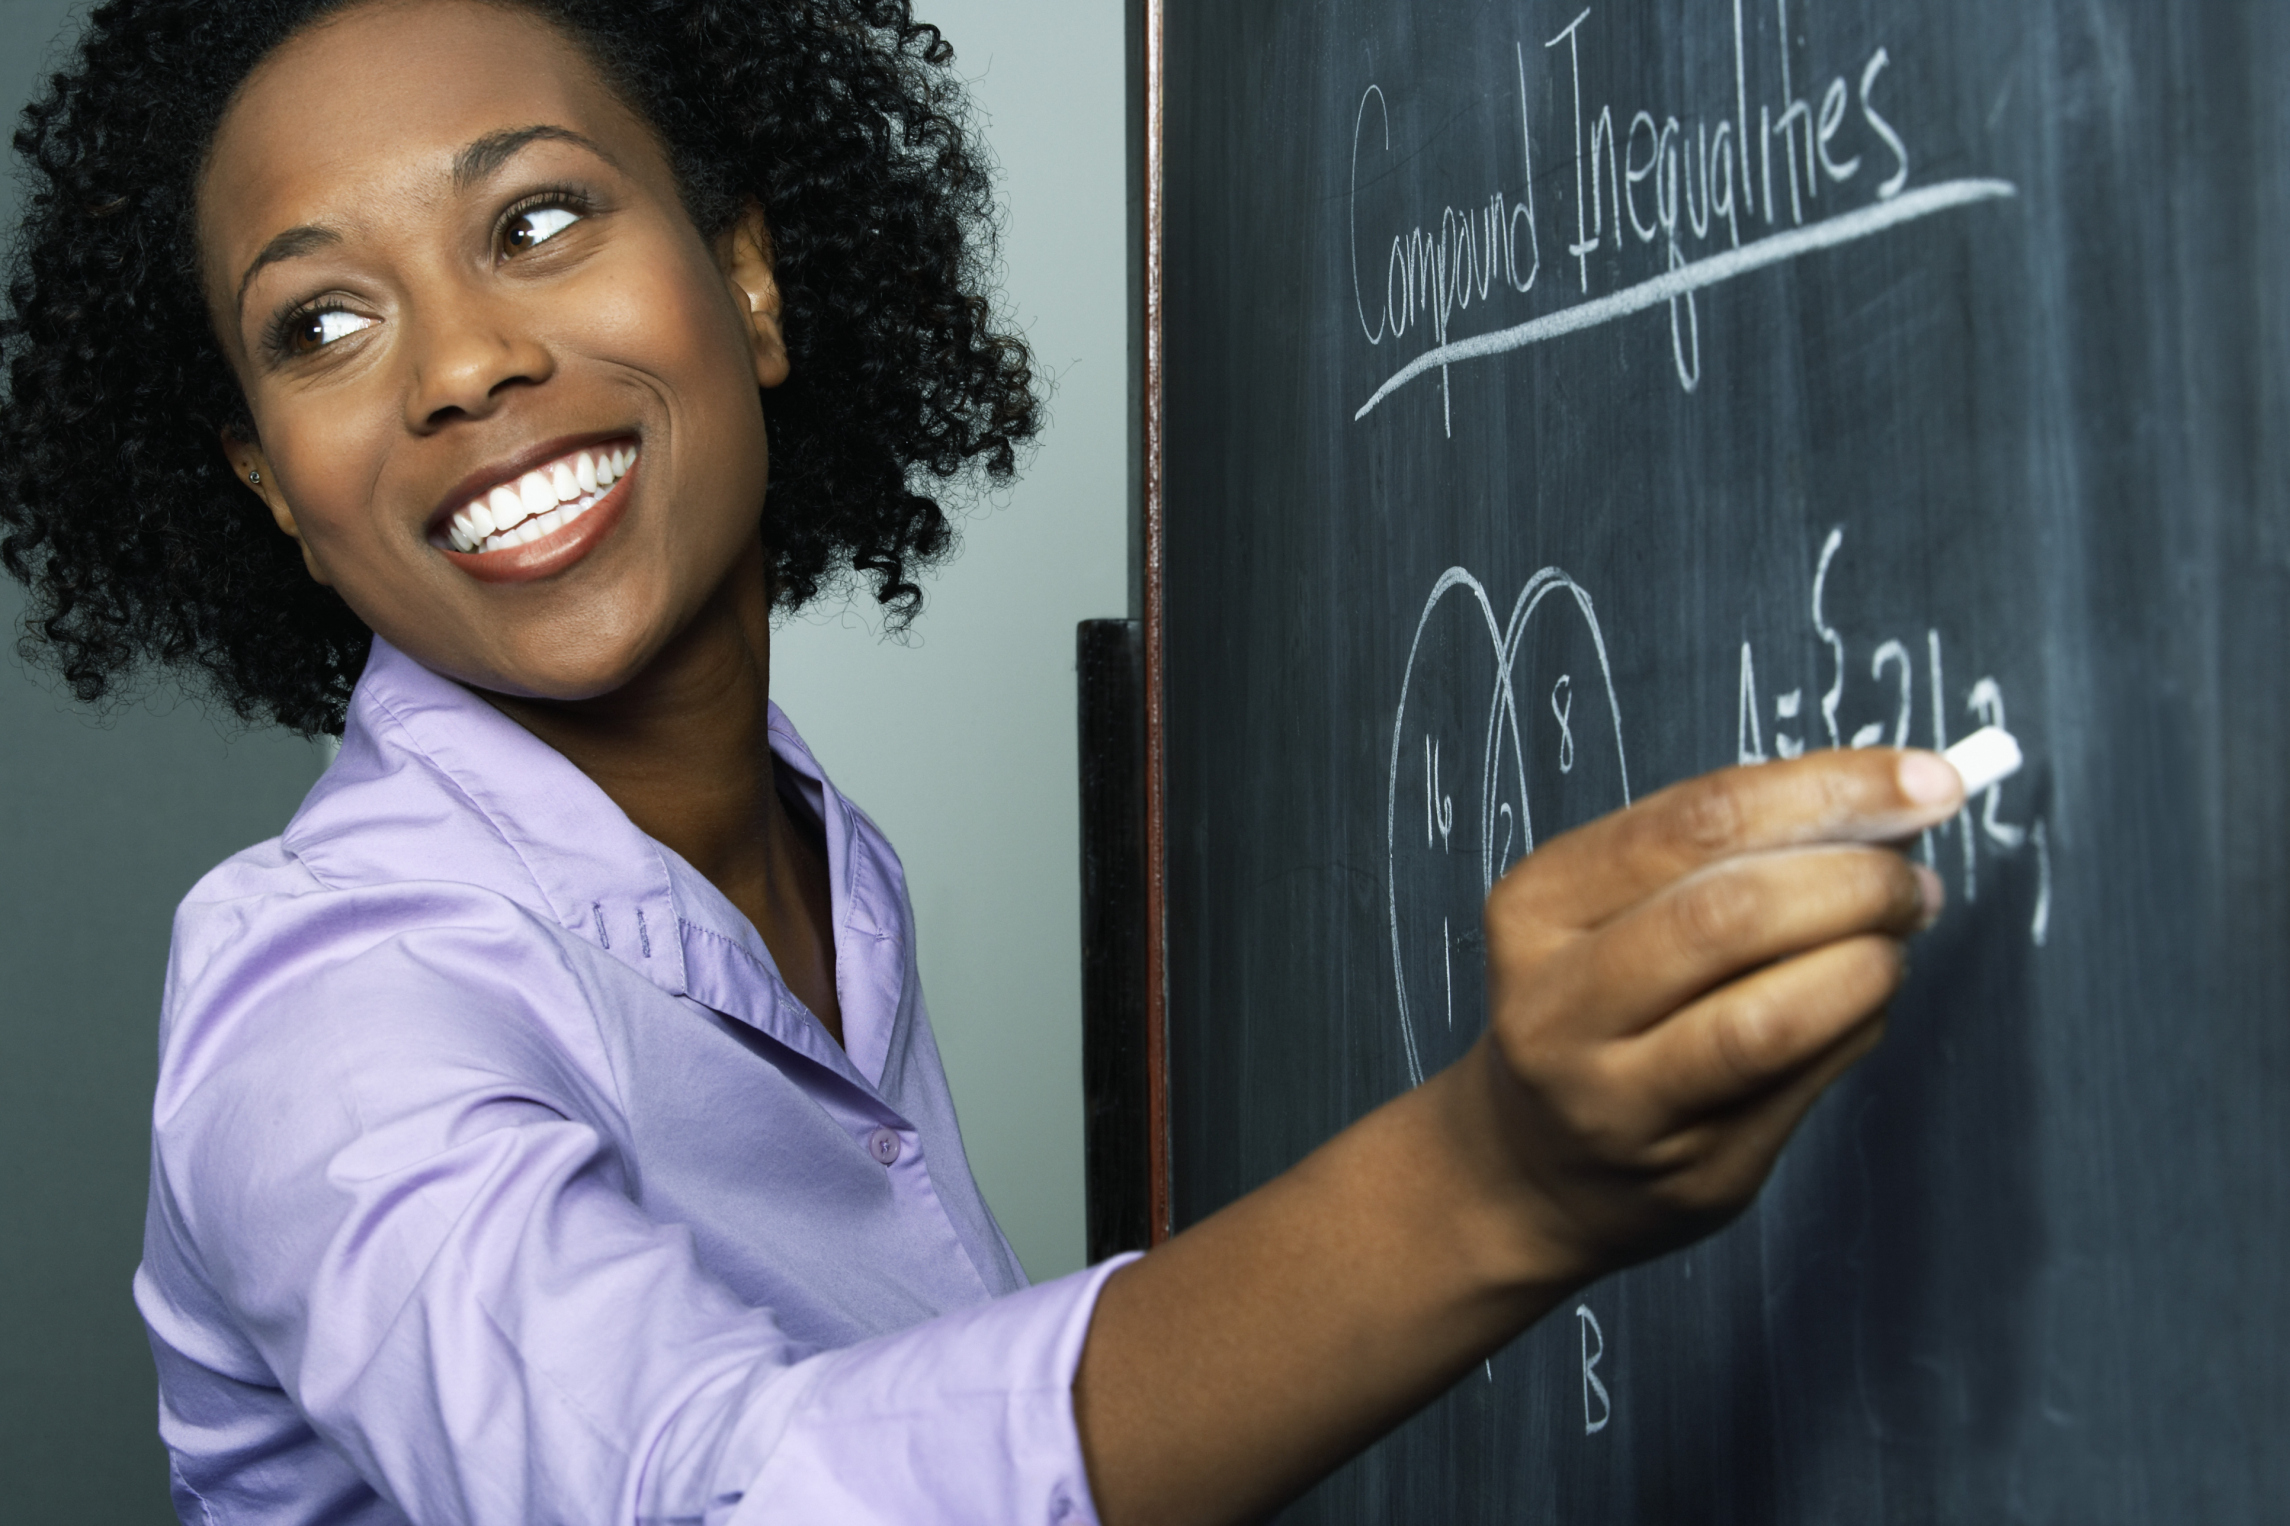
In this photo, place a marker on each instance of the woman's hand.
(1669, 989)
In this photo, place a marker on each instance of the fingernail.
(1926, 778)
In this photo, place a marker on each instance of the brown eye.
(308, 333)
(528, 230)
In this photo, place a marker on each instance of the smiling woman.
(128, 340)
(549, 1125)
(480, 308)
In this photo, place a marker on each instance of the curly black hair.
(841, 118)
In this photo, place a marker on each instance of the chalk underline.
(1692, 277)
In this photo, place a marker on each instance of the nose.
(469, 354)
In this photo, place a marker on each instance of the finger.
(1726, 1159)
(1759, 1035)
(1742, 914)
(1597, 872)
(1707, 929)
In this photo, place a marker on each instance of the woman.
(549, 1126)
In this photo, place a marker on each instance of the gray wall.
(103, 826)
(959, 741)
(104, 823)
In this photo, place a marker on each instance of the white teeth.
(539, 503)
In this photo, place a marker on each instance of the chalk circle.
(1478, 798)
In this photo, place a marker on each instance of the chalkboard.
(1559, 402)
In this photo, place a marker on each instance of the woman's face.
(454, 275)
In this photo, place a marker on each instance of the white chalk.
(1986, 757)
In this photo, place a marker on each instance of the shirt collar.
(433, 783)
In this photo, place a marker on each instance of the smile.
(539, 503)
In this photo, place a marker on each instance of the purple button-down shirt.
(497, 1177)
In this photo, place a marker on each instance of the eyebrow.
(476, 163)
(290, 245)
(482, 158)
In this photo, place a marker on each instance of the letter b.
(1591, 1384)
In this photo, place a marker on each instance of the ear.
(252, 468)
(743, 252)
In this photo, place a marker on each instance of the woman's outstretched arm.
(1669, 989)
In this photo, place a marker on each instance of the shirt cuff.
(968, 1418)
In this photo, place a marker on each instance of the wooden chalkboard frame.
(1121, 688)
(1153, 563)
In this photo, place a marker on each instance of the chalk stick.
(1986, 757)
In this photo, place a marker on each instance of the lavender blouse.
(497, 1178)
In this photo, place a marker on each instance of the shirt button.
(883, 1145)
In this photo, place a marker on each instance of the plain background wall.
(959, 741)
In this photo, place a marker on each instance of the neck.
(684, 750)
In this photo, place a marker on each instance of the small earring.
(255, 478)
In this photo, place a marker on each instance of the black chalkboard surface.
(1564, 401)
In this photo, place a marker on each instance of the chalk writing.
(1438, 805)
(1465, 666)
(1563, 691)
(1984, 703)
(1593, 1386)
(1511, 760)
(1891, 654)
(1699, 198)
(1506, 815)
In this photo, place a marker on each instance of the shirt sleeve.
(388, 1174)
(968, 1417)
